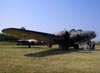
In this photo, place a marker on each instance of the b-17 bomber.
(64, 39)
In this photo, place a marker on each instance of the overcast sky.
(51, 15)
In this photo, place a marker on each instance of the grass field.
(20, 59)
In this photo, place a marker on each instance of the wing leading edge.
(29, 34)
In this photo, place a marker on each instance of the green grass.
(20, 59)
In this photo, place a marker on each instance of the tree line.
(7, 37)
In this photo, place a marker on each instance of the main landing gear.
(65, 46)
(76, 46)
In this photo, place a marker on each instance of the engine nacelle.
(61, 33)
(64, 35)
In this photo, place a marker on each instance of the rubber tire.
(76, 46)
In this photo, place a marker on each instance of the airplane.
(64, 39)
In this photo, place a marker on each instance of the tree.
(6, 37)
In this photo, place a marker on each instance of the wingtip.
(5, 30)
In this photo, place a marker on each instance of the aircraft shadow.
(50, 52)
(26, 47)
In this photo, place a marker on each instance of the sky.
(51, 15)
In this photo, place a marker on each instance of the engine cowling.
(64, 34)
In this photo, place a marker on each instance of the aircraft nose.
(93, 34)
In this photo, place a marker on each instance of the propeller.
(66, 35)
(66, 39)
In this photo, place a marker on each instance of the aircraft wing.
(29, 34)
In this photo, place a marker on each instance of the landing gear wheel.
(29, 45)
(76, 46)
(49, 45)
(63, 46)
